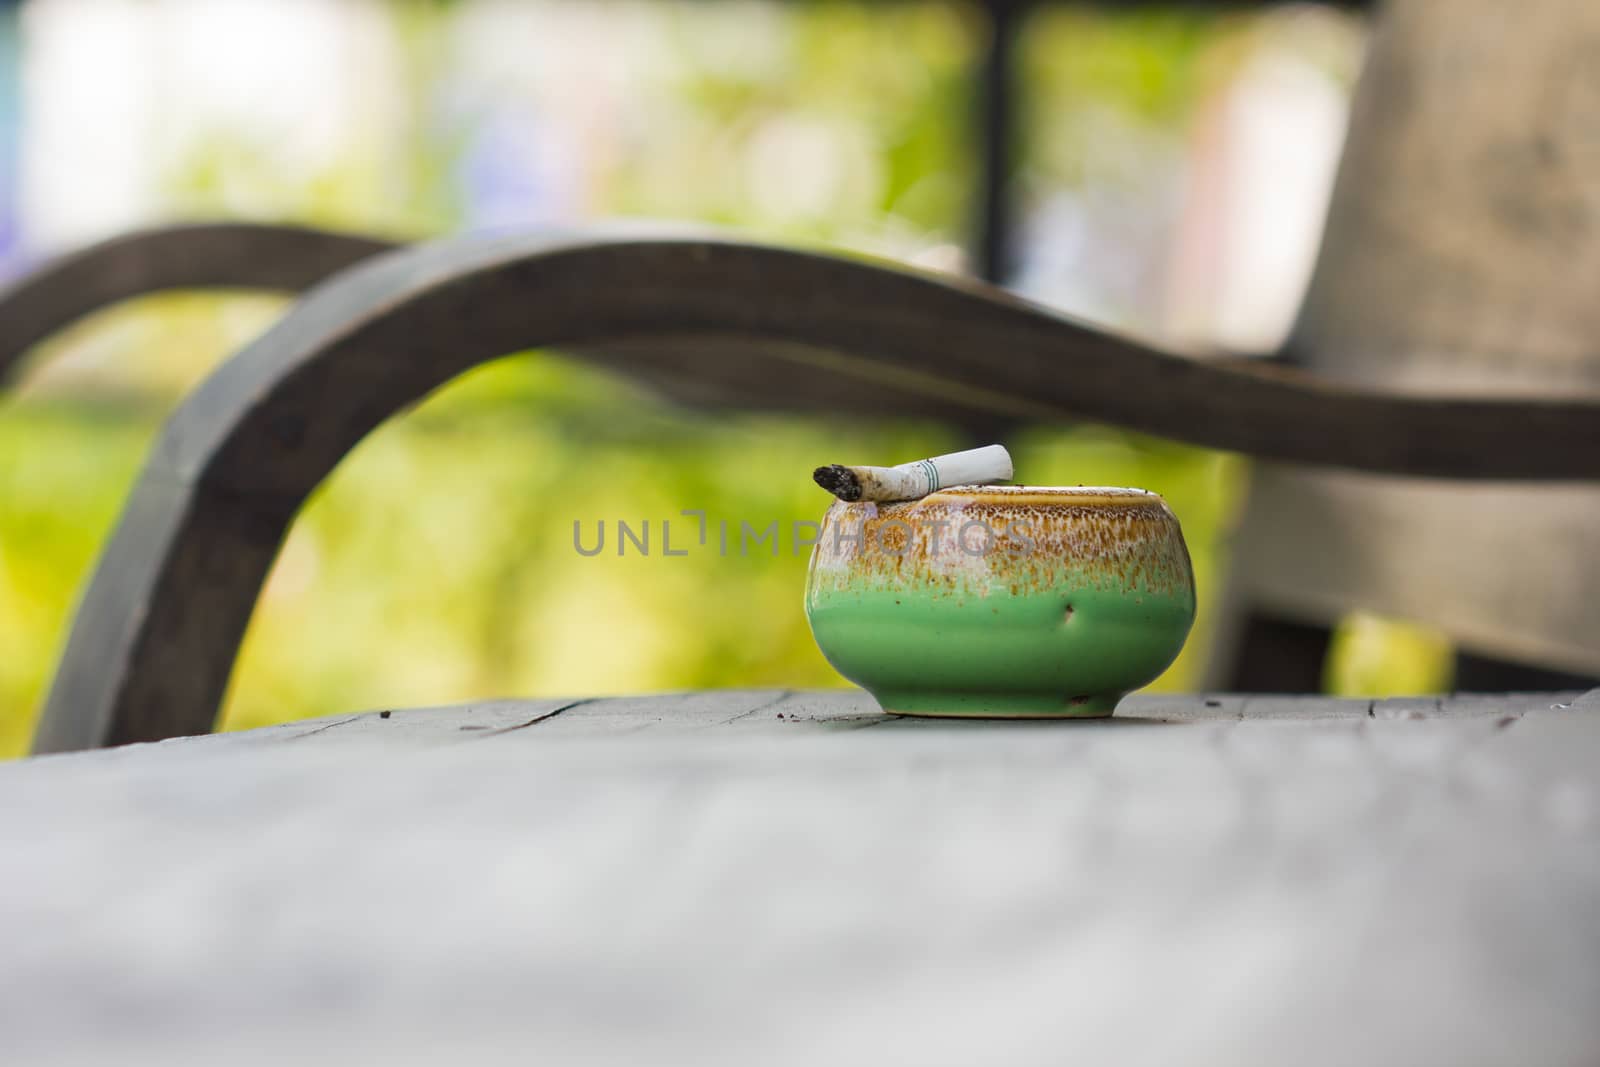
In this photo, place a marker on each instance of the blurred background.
(1165, 171)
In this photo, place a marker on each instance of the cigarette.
(912, 481)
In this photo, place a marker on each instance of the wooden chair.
(1454, 258)
(721, 322)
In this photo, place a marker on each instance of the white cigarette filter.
(912, 481)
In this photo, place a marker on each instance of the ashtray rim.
(1060, 495)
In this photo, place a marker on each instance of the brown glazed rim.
(1051, 495)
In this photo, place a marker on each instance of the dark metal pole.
(10, 121)
(998, 81)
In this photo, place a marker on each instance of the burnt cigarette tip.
(839, 480)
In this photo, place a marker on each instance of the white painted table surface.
(790, 878)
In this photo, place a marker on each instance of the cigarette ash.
(839, 480)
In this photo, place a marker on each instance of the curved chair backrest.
(154, 641)
(227, 255)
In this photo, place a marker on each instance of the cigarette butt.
(912, 481)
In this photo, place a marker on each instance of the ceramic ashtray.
(1001, 601)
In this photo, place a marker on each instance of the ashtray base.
(962, 705)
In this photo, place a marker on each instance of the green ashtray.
(1002, 601)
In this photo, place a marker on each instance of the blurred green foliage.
(437, 563)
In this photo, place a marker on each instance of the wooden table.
(768, 877)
